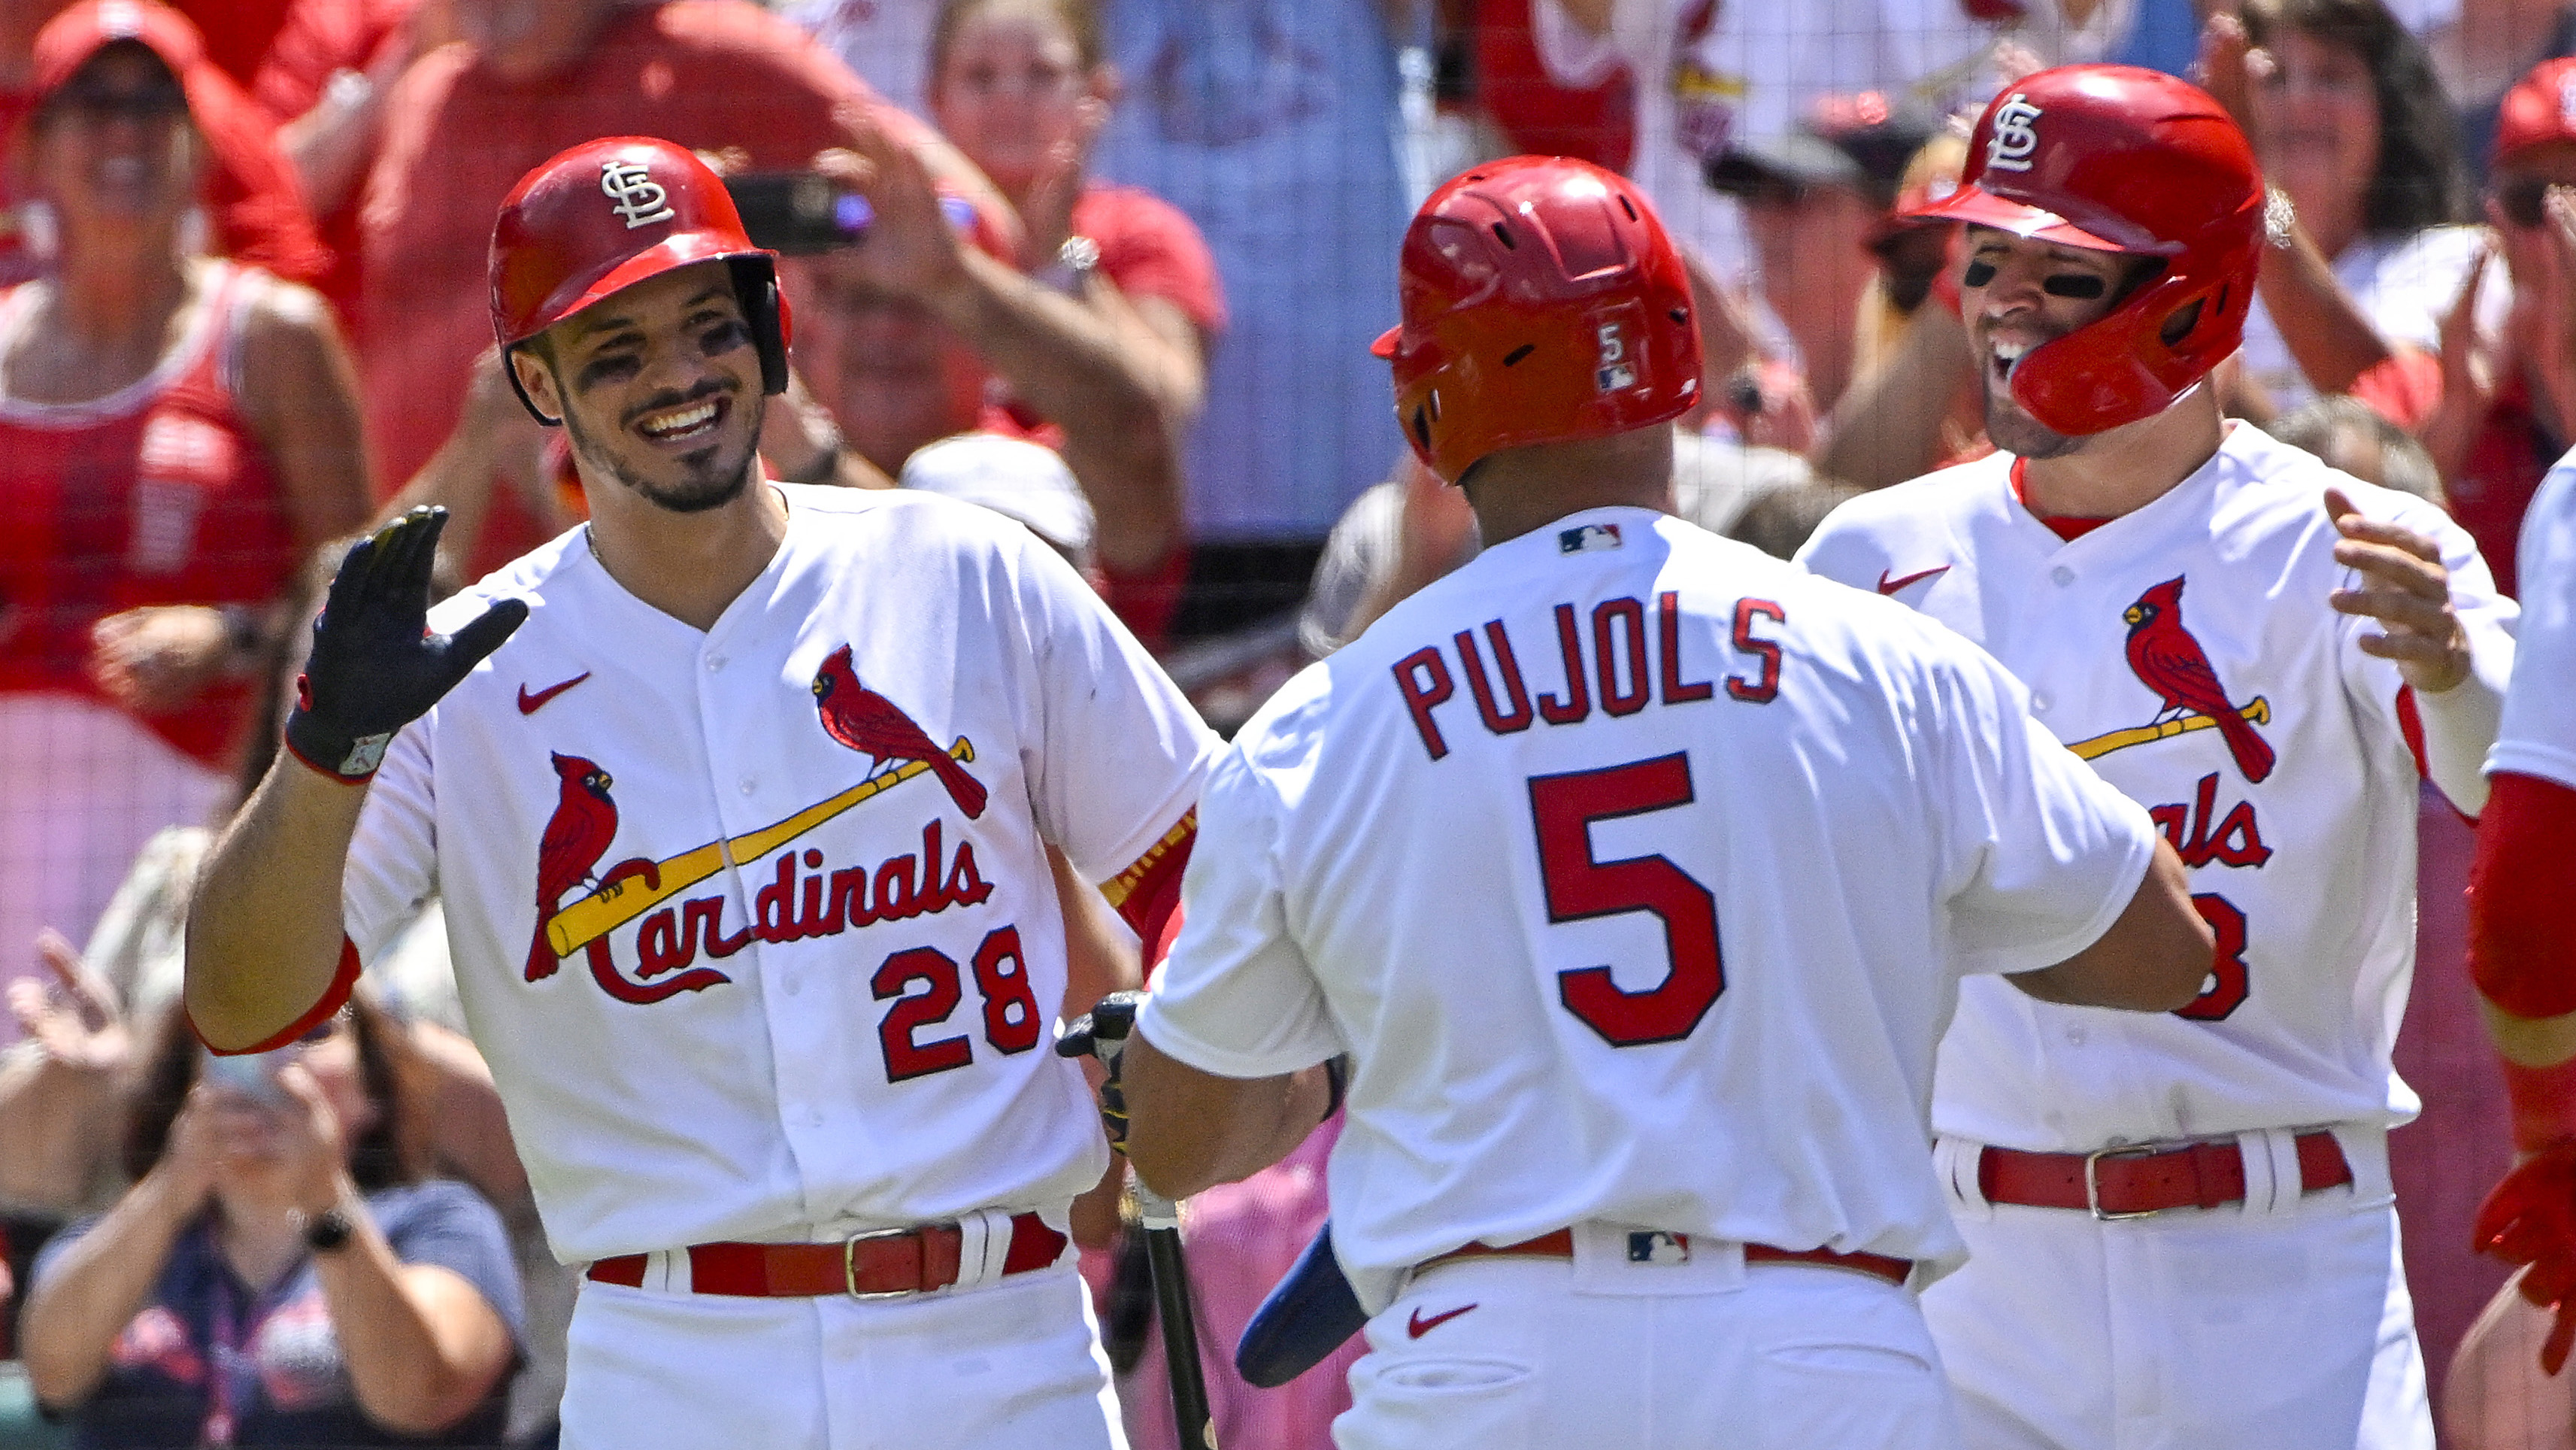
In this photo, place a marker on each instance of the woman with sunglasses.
(277, 1274)
(2360, 148)
(175, 430)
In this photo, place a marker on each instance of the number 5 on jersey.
(1581, 888)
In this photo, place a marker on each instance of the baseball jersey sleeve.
(1119, 754)
(2538, 736)
(392, 869)
(1236, 997)
(2451, 733)
(2045, 853)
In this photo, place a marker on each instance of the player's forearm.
(1189, 1130)
(88, 1297)
(1081, 374)
(264, 925)
(2460, 726)
(1887, 426)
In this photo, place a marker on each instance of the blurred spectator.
(1779, 522)
(533, 77)
(1715, 77)
(173, 432)
(2509, 398)
(2483, 49)
(279, 1273)
(1015, 478)
(1272, 124)
(2351, 126)
(2351, 435)
(1537, 115)
(254, 209)
(1411, 529)
(325, 80)
(2497, 1398)
(1814, 198)
(915, 333)
(1023, 88)
(884, 42)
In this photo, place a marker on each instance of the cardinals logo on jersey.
(577, 835)
(2169, 661)
(875, 726)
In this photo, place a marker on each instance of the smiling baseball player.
(742, 840)
(2181, 1225)
(1642, 993)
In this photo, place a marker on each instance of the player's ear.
(534, 374)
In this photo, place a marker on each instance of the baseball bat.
(2259, 710)
(605, 910)
(1161, 1219)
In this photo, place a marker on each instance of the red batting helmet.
(2118, 159)
(608, 214)
(1542, 302)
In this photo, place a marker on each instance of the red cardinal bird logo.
(2170, 662)
(577, 835)
(871, 724)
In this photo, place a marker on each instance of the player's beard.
(710, 477)
(2013, 430)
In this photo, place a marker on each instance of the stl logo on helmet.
(2015, 136)
(640, 199)
(1615, 371)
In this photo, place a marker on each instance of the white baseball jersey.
(1636, 869)
(2296, 815)
(782, 1002)
(2538, 737)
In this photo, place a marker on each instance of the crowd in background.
(1113, 268)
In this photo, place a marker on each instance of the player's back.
(1637, 868)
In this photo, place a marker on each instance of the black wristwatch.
(328, 1230)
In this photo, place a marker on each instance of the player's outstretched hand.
(1102, 1033)
(2406, 590)
(2530, 1218)
(375, 666)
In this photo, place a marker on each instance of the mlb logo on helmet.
(2015, 137)
(1616, 370)
(2567, 100)
(640, 199)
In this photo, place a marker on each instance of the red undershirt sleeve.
(1147, 895)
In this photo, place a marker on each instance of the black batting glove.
(1102, 1033)
(375, 666)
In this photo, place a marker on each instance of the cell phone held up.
(802, 213)
(252, 1075)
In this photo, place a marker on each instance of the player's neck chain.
(592, 540)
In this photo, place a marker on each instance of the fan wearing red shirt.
(532, 78)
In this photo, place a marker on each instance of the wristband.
(348, 759)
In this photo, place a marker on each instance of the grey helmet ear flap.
(764, 308)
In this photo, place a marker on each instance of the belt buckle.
(850, 1264)
(2093, 1180)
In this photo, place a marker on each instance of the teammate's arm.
(265, 946)
(2153, 958)
(1189, 1130)
(2446, 640)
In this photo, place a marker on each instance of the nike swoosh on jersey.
(1417, 1326)
(1890, 586)
(531, 704)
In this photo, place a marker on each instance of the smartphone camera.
(252, 1075)
(801, 213)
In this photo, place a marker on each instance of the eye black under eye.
(1979, 273)
(2085, 288)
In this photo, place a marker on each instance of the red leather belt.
(1560, 1245)
(2133, 1182)
(872, 1266)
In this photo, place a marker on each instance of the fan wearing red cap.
(740, 799)
(1630, 867)
(2270, 656)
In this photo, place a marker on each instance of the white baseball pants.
(1603, 1353)
(2281, 1326)
(1013, 1365)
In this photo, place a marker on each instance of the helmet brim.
(684, 250)
(1983, 208)
(1386, 343)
